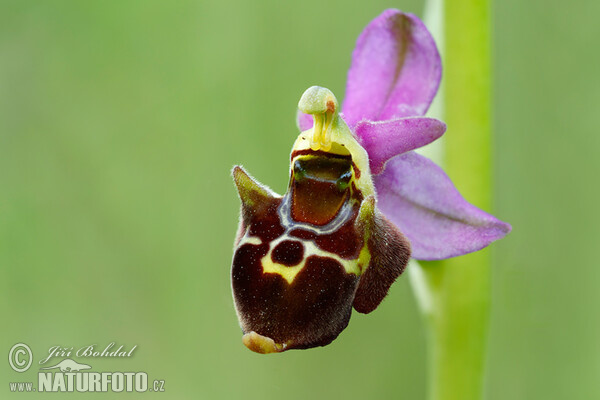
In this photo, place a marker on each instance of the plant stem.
(457, 325)
(455, 293)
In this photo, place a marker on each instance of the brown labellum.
(304, 259)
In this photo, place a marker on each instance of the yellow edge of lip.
(262, 344)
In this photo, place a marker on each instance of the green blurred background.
(120, 122)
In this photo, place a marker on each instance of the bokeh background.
(120, 122)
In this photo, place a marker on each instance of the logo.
(69, 375)
(68, 365)
(15, 359)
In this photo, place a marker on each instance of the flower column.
(457, 290)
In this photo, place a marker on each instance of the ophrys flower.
(304, 259)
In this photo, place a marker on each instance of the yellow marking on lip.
(353, 266)
(250, 240)
(287, 273)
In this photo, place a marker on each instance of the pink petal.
(304, 121)
(420, 199)
(386, 139)
(395, 71)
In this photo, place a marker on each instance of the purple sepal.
(395, 71)
(422, 201)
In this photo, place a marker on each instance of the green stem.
(455, 293)
(457, 325)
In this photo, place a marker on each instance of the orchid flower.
(394, 76)
(359, 198)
